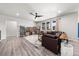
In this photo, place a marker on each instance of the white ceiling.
(48, 10)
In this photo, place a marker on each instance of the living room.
(36, 24)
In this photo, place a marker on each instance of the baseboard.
(73, 40)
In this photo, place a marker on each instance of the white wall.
(3, 25)
(26, 23)
(68, 24)
(51, 24)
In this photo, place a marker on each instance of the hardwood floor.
(13, 46)
(76, 48)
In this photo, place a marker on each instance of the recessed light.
(17, 14)
(59, 11)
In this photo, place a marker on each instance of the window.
(53, 27)
(43, 26)
(48, 25)
(54, 21)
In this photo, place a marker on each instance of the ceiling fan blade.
(36, 15)
(32, 14)
(40, 16)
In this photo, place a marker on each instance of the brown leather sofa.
(51, 41)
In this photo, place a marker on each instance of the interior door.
(11, 28)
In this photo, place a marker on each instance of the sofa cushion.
(51, 36)
(55, 33)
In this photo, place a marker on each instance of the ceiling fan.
(36, 15)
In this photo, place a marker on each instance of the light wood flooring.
(13, 46)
